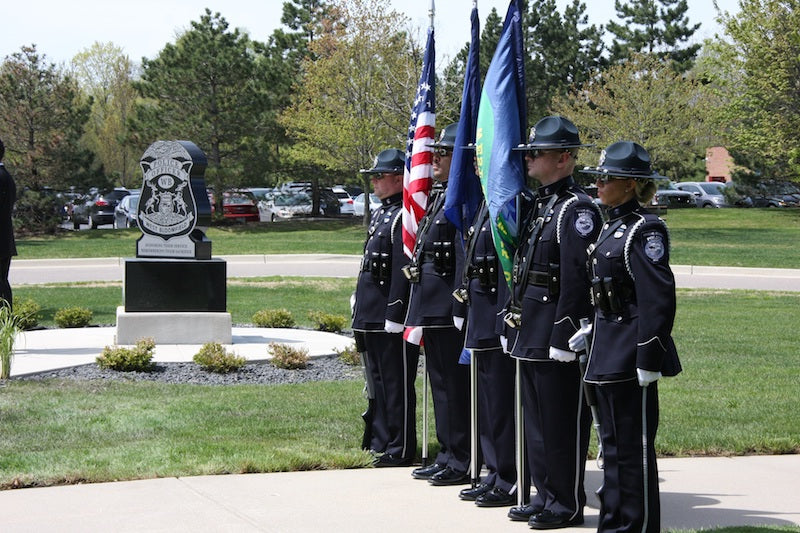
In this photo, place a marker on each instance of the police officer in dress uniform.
(485, 291)
(8, 248)
(633, 291)
(550, 295)
(381, 298)
(435, 271)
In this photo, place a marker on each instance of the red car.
(241, 206)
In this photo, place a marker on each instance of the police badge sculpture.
(174, 211)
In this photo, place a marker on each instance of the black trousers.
(629, 497)
(496, 416)
(450, 392)
(557, 427)
(392, 363)
(5, 286)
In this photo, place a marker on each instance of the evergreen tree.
(659, 27)
(563, 52)
(42, 115)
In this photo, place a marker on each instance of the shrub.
(327, 321)
(285, 356)
(349, 355)
(136, 359)
(73, 317)
(9, 329)
(214, 358)
(27, 312)
(37, 212)
(273, 318)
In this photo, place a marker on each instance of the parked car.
(668, 196)
(765, 194)
(288, 205)
(345, 201)
(125, 213)
(97, 209)
(240, 205)
(706, 193)
(329, 205)
(358, 204)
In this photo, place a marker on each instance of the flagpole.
(432, 11)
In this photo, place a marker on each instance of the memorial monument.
(174, 291)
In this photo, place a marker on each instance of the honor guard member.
(550, 295)
(485, 291)
(633, 292)
(381, 298)
(435, 271)
(8, 247)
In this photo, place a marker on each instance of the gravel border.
(255, 373)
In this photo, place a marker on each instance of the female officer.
(633, 292)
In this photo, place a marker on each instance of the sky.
(62, 29)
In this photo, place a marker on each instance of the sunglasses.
(442, 152)
(605, 179)
(538, 152)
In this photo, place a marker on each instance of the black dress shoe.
(524, 513)
(471, 494)
(496, 497)
(389, 460)
(425, 472)
(448, 476)
(549, 520)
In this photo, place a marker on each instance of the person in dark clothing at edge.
(485, 291)
(380, 301)
(633, 291)
(8, 247)
(549, 296)
(435, 271)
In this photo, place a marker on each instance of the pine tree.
(658, 27)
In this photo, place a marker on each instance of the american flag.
(418, 176)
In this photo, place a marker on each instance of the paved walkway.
(695, 493)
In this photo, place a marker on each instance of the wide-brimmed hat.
(447, 139)
(391, 160)
(552, 133)
(625, 159)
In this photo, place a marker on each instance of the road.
(35, 271)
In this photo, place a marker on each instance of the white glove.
(560, 355)
(458, 322)
(393, 327)
(577, 343)
(646, 377)
(504, 342)
(352, 304)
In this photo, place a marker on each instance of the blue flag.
(464, 193)
(501, 125)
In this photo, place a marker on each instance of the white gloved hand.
(504, 342)
(458, 322)
(352, 304)
(393, 327)
(577, 343)
(560, 355)
(646, 377)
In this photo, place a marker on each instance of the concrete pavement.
(695, 493)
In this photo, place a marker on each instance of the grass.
(735, 237)
(336, 236)
(733, 398)
(245, 297)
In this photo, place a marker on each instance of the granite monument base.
(174, 301)
(173, 327)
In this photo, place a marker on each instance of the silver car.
(706, 193)
(125, 212)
